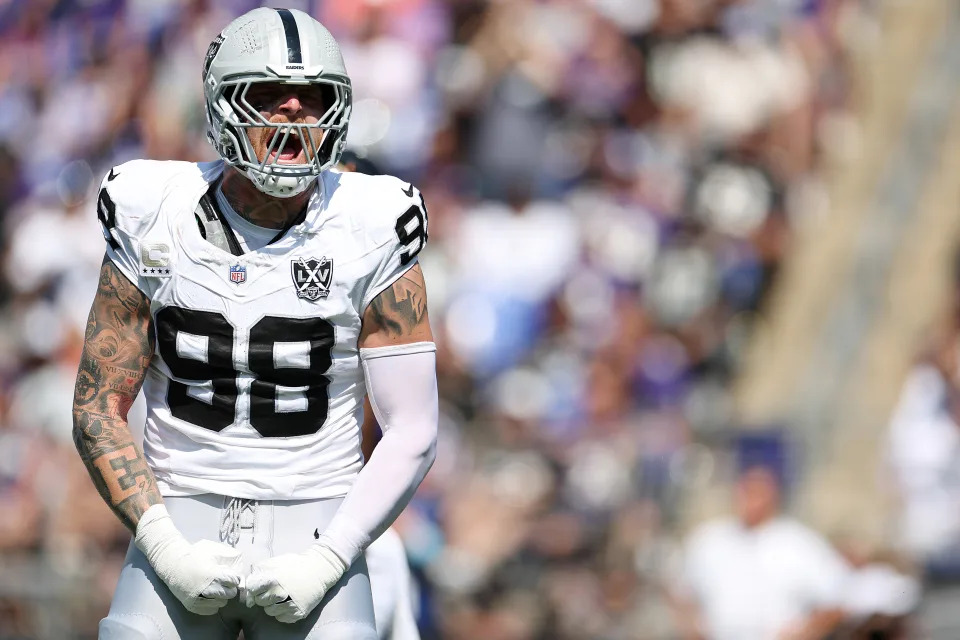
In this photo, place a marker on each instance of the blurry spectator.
(760, 575)
(510, 258)
(19, 462)
(881, 595)
(923, 452)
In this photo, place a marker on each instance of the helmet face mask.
(251, 51)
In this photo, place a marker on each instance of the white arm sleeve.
(402, 385)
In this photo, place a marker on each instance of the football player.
(256, 299)
(386, 557)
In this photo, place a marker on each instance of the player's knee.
(130, 627)
(344, 630)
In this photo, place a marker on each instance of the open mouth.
(289, 151)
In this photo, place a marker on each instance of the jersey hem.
(233, 489)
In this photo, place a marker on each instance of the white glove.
(203, 575)
(290, 586)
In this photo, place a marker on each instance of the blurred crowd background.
(614, 190)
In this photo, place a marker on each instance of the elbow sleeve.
(402, 385)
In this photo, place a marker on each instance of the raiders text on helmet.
(275, 45)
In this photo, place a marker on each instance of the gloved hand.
(203, 575)
(290, 586)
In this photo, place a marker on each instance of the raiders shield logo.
(212, 51)
(312, 277)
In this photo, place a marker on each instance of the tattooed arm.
(399, 314)
(117, 349)
(116, 352)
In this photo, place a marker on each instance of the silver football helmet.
(275, 45)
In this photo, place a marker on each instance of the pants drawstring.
(230, 519)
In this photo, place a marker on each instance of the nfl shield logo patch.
(238, 273)
(312, 277)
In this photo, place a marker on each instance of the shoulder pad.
(131, 194)
(391, 211)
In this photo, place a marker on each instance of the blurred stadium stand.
(654, 224)
(851, 310)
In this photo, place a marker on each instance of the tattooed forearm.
(399, 313)
(116, 465)
(117, 350)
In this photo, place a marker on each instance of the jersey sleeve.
(124, 207)
(406, 229)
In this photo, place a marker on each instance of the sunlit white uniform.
(256, 387)
(255, 391)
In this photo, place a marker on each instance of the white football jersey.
(255, 389)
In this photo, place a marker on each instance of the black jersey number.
(287, 397)
(198, 346)
(107, 211)
(107, 214)
(411, 229)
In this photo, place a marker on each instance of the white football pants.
(393, 599)
(144, 609)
